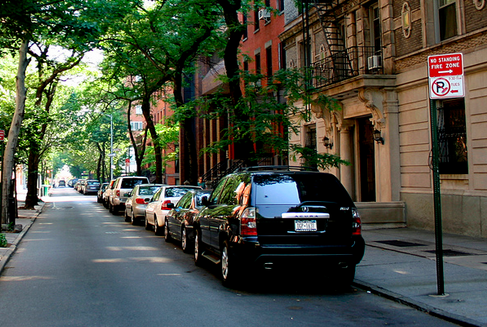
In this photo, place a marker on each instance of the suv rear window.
(294, 189)
(132, 182)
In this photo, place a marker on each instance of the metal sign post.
(445, 73)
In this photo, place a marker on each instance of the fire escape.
(339, 61)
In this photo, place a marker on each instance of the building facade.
(371, 56)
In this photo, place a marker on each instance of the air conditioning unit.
(374, 62)
(264, 14)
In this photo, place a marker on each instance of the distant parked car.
(71, 182)
(107, 193)
(101, 190)
(155, 213)
(61, 183)
(121, 191)
(91, 186)
(137, 202)
(81, 185)
(179, 220)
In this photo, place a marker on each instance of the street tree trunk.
(13, 134)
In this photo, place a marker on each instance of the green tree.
(148, 50)
(43, 23)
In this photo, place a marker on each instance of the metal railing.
(346, 64)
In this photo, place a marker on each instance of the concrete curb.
(447, 316)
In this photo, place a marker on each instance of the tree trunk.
(13, 134)
(244, 148)
(32, 198)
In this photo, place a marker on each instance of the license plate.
(305, 226)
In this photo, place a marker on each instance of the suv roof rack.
(287, 168)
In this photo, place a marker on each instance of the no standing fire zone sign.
(445, 74)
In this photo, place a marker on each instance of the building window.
(257, 64)
(310, 141)
(256, 21)
(136, 125)
(280, 4)
(268, 54)
(447, 19)
(138, 109)
(452, 137)
(375, 28)
(282, 56)
(245, 23)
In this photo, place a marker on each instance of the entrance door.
(367, 162)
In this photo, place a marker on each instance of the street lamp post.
(111, 147)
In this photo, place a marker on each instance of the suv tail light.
(356, 223)
(164, 205)
(117, 193)
(140, 201)
(248, 223)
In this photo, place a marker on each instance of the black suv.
(284, 217)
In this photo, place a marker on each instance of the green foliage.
(272, 110)
(3, 241)
(314, 159)
(168, 140)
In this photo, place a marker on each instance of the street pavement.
(399, 263)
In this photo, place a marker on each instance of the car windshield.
(174, 192)
(131, 182)
(93, 183)
(148, 190)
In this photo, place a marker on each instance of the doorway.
(367, 160)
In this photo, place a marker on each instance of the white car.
(156, 211)
(121, 191)
(137, 202)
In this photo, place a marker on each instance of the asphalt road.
(79, 265)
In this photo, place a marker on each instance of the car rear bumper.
(286, 255)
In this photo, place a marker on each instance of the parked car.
(61, 183)
(179, 220)
(101, 190)
(71, 182)
(106, 194)
(81, 184)
(155, 213)
(121, 191)
(280, 219)
(91, 186)
(137, 202)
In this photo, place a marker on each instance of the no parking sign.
(445, 74)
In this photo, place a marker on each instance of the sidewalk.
(26, 219)
(399, 264)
